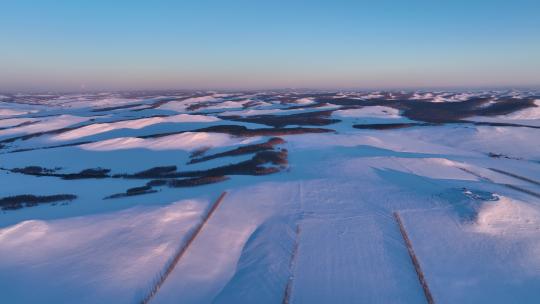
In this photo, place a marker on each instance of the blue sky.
(66, 45)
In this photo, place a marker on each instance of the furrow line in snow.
(510, 186)
(529, 192)
(414, 259)
(477, 175)
(292, 263)
(516, 176)
(50, 147)
(181, 251)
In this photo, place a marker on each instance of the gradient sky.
(105, 44)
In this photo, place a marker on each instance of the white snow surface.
(321, 230)
(46, 124)
(131, 124)
(11, 112)
(187, 141)
(97, 258)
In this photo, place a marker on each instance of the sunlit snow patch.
(187, 141)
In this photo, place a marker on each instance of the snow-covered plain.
(313, 180)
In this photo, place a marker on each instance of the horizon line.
(305, 89)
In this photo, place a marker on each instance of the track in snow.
(288, 287)
(414, 259)
(510, 186)
(170, 267)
